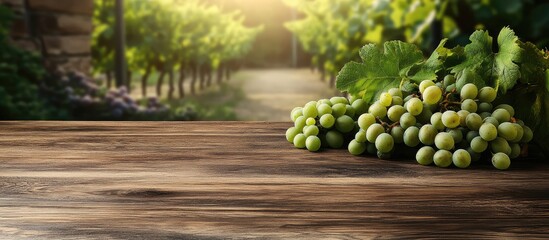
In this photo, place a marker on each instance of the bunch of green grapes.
(445, 123)
(325, 123)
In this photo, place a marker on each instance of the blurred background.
(215, 59)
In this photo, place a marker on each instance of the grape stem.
(386, 125)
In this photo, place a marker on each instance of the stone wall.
(58, 29)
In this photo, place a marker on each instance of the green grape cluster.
(325, 123)
(440, 124)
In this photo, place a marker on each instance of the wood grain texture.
(229, 180)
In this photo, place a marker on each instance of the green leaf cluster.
(170, 34)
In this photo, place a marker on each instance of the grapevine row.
(169, 36)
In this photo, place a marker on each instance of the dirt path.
(272, 93)
(269, 94)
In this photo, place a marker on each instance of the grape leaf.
(500, 66)
(533, 65)
(428, 69)
(381, 69)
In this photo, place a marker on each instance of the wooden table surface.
(230, 180)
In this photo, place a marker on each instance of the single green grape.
(407, 120)
(474, 155)
(528, 135)
(384, 143)
(378, 110)
(427, 134)
(491, 120)
(463, 117)
(444, 140)
(461, 158)
(299, 140)
(432, 95)
(424, 155)
(488, 131)
(485, 115)
(374, 131)
(327, 120)
(310, 111)
(382, 155)
(291, 133)
(344, 124)
(487, 94)
(310, 121)
(356, 148)
(507, 130)
(442, 158)
(323, 101)
(501, 115)
(395, 92)
(473, 121)
(436, 121)
(311, 130)
(371, 148)
(469, 136)
(411, 136)
(397, 101)
(334, 139)
(520, 133)
(395, 112)
(425, 84)
(450, 119)
(324, 109)
(360, 106)
(336, 100)
(501, 161)
(398, 134)
(469, 91)
(385, 99)
(515, 150)
(296, 112)
(507, 107)
(360, 136)
(500, 145)
(365, 120)
(456, 134)
(414, 106)
(479, 145)
(349, 111)
(338, 109)
(300, 122)
(312, 143)
(484, 107)
(470, 105)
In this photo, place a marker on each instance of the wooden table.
(219, 180)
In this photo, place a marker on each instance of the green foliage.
(20, 74)
(381, 69)
(500, 66)
(170, 34)
(327, 30)
(428, 69)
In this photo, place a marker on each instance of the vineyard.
(172, 38)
